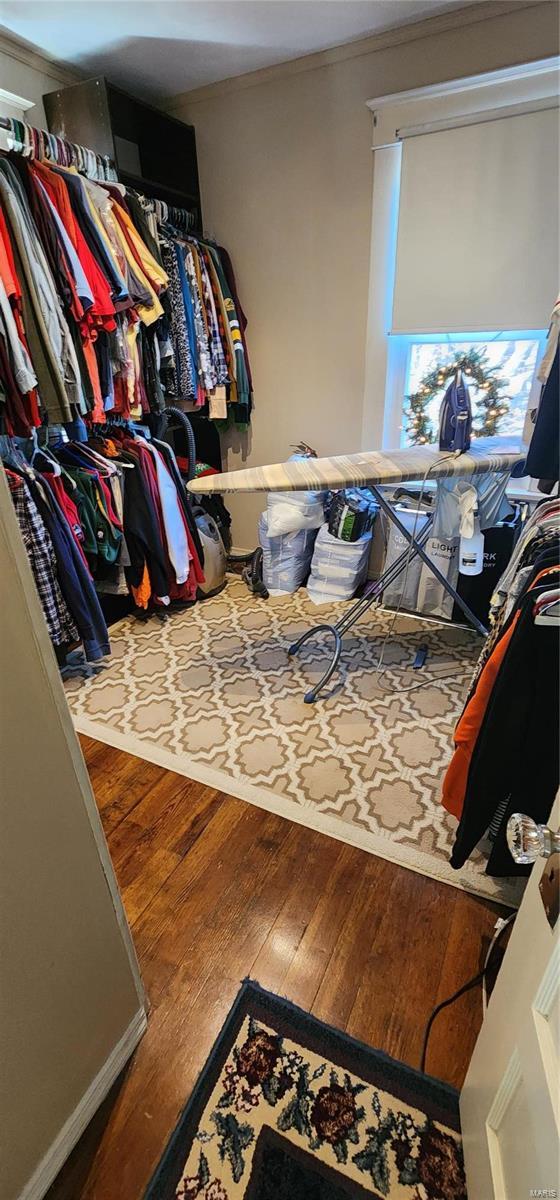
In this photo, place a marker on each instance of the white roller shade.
(477, 241)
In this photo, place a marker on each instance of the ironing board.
(372, 469)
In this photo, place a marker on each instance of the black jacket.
(515, 758)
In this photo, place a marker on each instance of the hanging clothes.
(119, 519)
(40, 552)
(515, 759)
(165, 555)
(543, 459)
(108, 305)
(110, 310)
(506, 754)
(58, 563)
(51, 347)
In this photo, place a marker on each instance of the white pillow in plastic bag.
(286, 559)
(337, 568)
(291, 511)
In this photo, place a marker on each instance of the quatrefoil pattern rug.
(211, 693)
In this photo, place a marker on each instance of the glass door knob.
(528, 841)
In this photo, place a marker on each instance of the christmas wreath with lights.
(490, 406)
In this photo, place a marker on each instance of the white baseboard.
(71, 1131)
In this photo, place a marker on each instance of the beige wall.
(69, 988)
(286, 175)
(31, 76)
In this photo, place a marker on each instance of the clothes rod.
(43, 138)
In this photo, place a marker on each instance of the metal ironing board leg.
(371, 596)
(451, 591)
(312, 694)
(375, 589)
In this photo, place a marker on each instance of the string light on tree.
(490, 405)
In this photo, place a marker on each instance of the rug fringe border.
(308, 816)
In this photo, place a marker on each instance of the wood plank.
(402, 956)
(90, 747)
(147, 846)
(119, 785)
(312, 961)
(130, 789)
(216, 890)
(455, 1031)
(307, 885)
(143, 877)
(186, 1018)
(361, 920)
(196, 890)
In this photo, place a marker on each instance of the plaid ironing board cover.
(367, 467)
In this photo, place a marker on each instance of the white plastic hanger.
(548, 613)
(37, 449)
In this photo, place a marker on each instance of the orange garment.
(142, 593)
(468, 728)
(102, 313)
(98, 411)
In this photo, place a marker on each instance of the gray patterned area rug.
(211, 693)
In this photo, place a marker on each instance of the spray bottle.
(471, 549)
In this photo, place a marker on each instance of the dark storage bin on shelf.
(153, 152)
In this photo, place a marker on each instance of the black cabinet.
(154, 153)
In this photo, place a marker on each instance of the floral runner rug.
(287, 1108)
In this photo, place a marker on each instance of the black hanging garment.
(543, 459)
(515, 759)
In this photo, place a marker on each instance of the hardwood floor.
(216, 890)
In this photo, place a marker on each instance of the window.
(464, 247)
(511, 356)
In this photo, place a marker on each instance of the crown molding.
(467, 83)
(480, 10)
(18, 102)
(25, 53)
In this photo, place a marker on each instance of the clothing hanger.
(47, 147)
(549, 596)
(549, 614)
(104, 465)
(38, 449)
(548, 512)
(100, 432)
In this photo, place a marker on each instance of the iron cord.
(480, 977)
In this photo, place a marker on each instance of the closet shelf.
(160, 189)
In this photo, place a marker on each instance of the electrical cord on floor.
(480, 977)
(434, 679)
